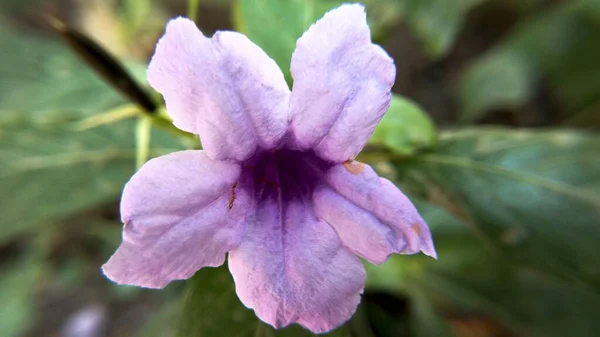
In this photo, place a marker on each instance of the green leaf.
(48, 170)
(405, 128)
(515, 299)
(211, 308)
(522, 252)
(532, 196)
(162, 322)
(559, 44)
(275, 25)
(39, 75)
(470, 278)
(457, 249)
(436, 22)
(502, 80)
(135, 13)
(426, 319)
(16, 4)
(17, 284)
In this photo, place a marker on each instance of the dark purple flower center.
(286, 174)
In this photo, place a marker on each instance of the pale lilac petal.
(291, 267)
(180, 214)
(226, 89)
(342, 85)
(359, 184)
(359, 230)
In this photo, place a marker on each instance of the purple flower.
(276, 185)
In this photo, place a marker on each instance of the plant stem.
(193, 9)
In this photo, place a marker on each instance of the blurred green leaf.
(405, 128)
(135, 13)
(560, 44)
(436, 22)
(514, 299)
(16, 4)
(457, 247)
(39, 75)
(276, 25)
(458, 250)
(471, 279)
(387, 314)
(212, 308)
(163, 322)
(498, 80)
(17, 287)
(48, 170)
(522, 254)
(426, 319)
(533, 196)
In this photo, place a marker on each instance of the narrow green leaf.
(109, 117)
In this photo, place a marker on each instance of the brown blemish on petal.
(354, 167)
(232, 197)
(415, 227)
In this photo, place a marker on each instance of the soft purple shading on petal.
(359, 184)
(293, 268)
(342, 85)
(226, 89)
(358, 229)
(178, 218)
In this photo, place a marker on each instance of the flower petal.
(179, 217)
(358, 229)
(359, 184)
(342, 85)
(226, 89)
(291, 267)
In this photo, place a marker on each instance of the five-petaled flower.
(276, 186)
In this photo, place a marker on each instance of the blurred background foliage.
(493, 132)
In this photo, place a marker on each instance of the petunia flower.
(276, 185)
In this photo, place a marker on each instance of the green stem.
(168, 126)
(193, 9)
(143, 134)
